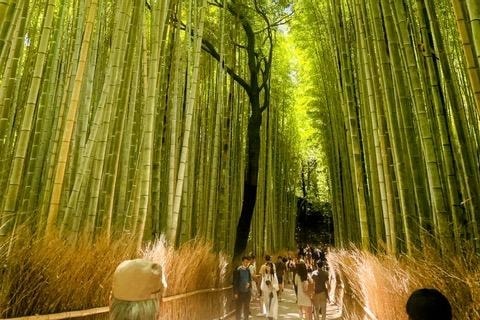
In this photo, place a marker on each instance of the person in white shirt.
(269, 287)
(302, 281)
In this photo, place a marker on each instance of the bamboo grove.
(116, 120)
(398, 98)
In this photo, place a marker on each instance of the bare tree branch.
(210, 49)
(281, 21)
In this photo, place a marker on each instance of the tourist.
(321, 278)
(242, 284)
(268, 259)
(280, 270)
(302, 281)
(290, 269)
(428, 304)
(137, 288)
(269, 287)
(339, 287)
(255, 279)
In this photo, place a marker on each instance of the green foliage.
(308, 103)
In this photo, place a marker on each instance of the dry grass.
(383, 283)
(44, 277)
(191, 267)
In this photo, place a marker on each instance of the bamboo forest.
(210, 137)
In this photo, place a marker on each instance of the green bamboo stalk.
(21, 147)
(190, 100)
(7, 93)
(464, 171)
(70, 120)
(438, 197)
(9, 11)
(158, 22)
(472, 65)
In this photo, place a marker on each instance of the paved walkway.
(287, 308)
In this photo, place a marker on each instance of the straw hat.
(136, 280)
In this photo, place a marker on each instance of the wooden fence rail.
(100, 310)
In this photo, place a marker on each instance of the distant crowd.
(316, 283)
(308, 272)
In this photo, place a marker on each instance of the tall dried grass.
(191, 267)
(382, 283)
(44, 277)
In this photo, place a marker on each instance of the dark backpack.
(320, 277)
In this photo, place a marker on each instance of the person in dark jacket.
(320, 298)
(242, 285)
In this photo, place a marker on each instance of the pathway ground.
(287, 308)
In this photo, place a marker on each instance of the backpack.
(319, 280)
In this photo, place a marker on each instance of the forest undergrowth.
(52, 276)
(382, 283)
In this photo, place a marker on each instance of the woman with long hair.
(269, 287)
(302, 280)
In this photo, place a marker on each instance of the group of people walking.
(316, 284)
(138, 286)
(307, 272)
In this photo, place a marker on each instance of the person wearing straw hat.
(136, 290)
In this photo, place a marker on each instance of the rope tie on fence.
(99, 310)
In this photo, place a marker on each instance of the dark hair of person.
(428, 304)
(245, 258)
(272, 271)
(267, 258)
(302, 271)
(319, 264)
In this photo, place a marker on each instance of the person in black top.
(281, 269)
(242, 284)
(320, 298)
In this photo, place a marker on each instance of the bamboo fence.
(102, 310)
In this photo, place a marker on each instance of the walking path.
(287, 308)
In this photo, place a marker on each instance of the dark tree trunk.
(257, 86)
(250, 184)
